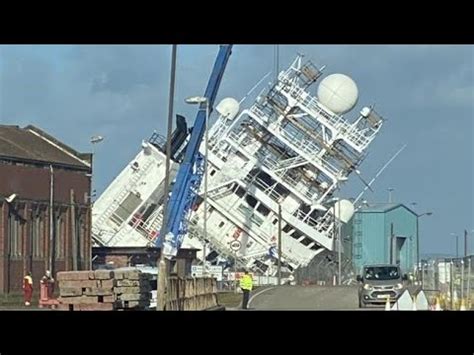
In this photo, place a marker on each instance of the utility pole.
(51, 221)
(451, 286)
(339, 252)
(279, 244)
(462, 279)
(206, 147)
(469, 282)
(163, 263)
(465, 243)
(391, 245)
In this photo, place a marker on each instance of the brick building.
(43, 184)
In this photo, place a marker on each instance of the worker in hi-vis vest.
(246, 284)
(28, 288)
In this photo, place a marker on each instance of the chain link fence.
(451, 280)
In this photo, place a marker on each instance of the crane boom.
(188, 178)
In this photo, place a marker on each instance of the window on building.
(36, 234)
(80, 233)
(14, 235)
(59, 235)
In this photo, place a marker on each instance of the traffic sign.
(235, 245)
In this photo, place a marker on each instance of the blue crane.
(188, 179)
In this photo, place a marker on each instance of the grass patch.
(15, 301)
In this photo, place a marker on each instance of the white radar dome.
(338, 92)
(346, 209)
(228, 108)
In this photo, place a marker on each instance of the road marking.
(259, 293)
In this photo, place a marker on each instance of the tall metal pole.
(279, 244)
(392, 258)
(51, 220)
(206, 146)
(235, 272)
(462, 280)
(469, 281)
(277, 62)
(451, 286)
(465, 243)
(418, 245)
(163, 263)
(339, 252)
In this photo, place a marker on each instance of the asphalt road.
(306, 298)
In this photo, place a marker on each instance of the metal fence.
(450, 279)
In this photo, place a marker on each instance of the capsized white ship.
(291, 148)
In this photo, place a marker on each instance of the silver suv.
(379, 282)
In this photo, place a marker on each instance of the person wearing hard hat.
(48, 281)
(28, 288)
(246, 284)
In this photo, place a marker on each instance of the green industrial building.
(383, 233)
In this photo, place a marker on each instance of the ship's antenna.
(378, 173)
(254, 87)
(277, 62)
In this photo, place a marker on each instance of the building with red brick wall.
(45, 206)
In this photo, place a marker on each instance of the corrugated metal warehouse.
(384, 233)
(32, 165)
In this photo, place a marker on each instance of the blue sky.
(425, 92)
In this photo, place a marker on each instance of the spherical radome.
(228, 107)
(338, 92)
(346, 210)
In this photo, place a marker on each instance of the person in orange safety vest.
(28, 288)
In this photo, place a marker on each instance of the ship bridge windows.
(296, 235)
(315, 247)
(263, 209)
(252, 201)
(287, 228)
(306, 241)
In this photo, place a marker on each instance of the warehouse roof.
(31, 144)
(383, 207)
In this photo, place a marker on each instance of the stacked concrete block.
(103, 290)
(86, 290)
(132, 290)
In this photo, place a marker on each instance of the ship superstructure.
(290, 149)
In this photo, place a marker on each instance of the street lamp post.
(94, 140)
(418, 240)
(390, 190)
(193, 101)
(336, 232)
